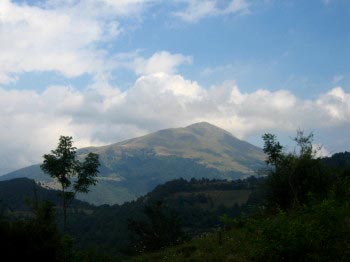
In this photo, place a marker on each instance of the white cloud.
(67, 36)
(61, 36)
(32, 121)
(321, 151)
(199, 9)
(160, 62)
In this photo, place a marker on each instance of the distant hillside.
(20, 193)
(198, 203)
(338, 160)
(134, 167)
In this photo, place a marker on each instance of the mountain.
(134, 167)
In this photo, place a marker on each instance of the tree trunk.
(64, 206)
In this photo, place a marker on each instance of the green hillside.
(314, 229)
(198, 203)
(317, 233)
(134, 167)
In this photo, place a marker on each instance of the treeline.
(110, 228)
(26, 190)
(195, 185)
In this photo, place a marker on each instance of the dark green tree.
(32, 239)
(272, 148)
(161, 228)
(297, 176)
(63, 165)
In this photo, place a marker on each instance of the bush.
(317, 233)
(295, 176)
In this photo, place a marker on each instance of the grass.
(230, 246)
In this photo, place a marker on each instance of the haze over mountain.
(133, 167)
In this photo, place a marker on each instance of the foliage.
(309, 219)
(25, 189)
(198, 203)
(295, 176)
(63, 164)
(316, 233)
(161, 228)
(310, 224)
(272, 148)
(36, 239)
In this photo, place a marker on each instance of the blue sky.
(298, 45)
(106, 70)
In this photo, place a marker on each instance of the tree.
(295, 177)
(160, 228)
(63, 165)
(272, 148)
(35, 238)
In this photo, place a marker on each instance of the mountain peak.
(205, 128)
(201, 125)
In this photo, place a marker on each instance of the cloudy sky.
(106, 70)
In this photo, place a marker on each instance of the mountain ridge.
(161, 143)
(135, 166)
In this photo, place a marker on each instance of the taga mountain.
(134, 167)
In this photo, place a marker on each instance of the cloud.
(32, 121)
(321, 151)
(70, 36)
(162, 61)
(61, 36)
(199, 9)
(100, 8)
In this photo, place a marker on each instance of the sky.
(107, 70)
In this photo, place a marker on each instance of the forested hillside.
(304, 217)
(198, 204)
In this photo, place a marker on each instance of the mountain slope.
(133, 167)
(210, 145)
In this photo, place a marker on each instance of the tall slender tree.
(63, 165)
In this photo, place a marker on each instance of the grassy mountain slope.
(206, 143)
(134, 167)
